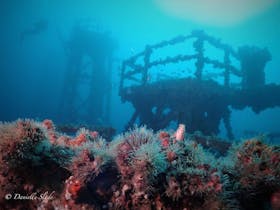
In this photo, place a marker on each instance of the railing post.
(198, 46)
(147, 55)
(227, 68)
(122, 69)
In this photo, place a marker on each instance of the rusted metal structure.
(86, 95)
(196, 99)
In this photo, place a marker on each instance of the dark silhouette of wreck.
(193, 100)
(86, 96)
(35, 29)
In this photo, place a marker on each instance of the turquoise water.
(32, 70)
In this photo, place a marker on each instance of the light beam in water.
(215, 12)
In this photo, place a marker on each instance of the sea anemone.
(173, 190)
(254, 173)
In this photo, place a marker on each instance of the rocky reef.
(42, 168)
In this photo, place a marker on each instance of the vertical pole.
(226, 118)
(107, 112)
(148, 52)
(122, 69)
(227, 68)
(198, 46)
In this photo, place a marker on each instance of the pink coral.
(83, 165)
(49, 125)
(275, 201)
(134, 172)
(171, 156)
(164, 138)
(78, 141)
(73, 186)
(94, 134)
(122, 159)
(179, 135)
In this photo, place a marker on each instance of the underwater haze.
(38, 37)
(140, 104)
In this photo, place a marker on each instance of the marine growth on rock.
(140, 169)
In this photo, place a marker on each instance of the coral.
(48, 124)
(26, 142)
(139, 169)
(82, 137)
(164, 137)
(258, 163)
(191, 178)
(275, 200)
(152, 155)
(173, 189)
(73, 186)
(180, 133)
(139, 159)
(152, 169)
(29, 161)
(254, 174)
(105, 132)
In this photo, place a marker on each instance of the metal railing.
(130, 68)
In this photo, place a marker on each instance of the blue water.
(32, 72)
